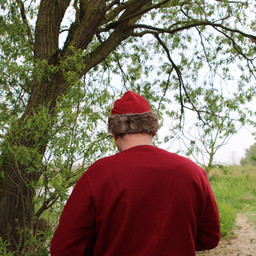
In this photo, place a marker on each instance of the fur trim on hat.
(133, 123)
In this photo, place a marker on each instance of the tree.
(220, 119)
(60, 61)
(250, 156)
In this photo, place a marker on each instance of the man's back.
(142, 201)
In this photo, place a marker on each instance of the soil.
(242, 243)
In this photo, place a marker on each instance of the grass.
(234, 188)
(235, 191)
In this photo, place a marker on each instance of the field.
(235, 191)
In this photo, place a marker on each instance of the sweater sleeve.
(75, 232)
(208, 230)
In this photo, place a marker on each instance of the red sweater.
(143, 201)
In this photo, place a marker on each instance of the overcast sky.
(235, 149)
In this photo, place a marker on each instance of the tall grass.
(235, 191)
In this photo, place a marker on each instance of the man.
(142, 201)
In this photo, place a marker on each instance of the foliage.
(4, 248)
(37, 244)
(217, 121)
(64, 62)
(250, 156)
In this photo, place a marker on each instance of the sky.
(229, 154)
(235, 149)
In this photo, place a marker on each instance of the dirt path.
(243, 243)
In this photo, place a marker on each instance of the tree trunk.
(16, 205)
(209, 166)
(16, 187)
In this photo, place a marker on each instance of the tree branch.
(236, 46)
(181, 83)
(82, 31)
(204, 50)
(114, 13)
(165, 89)
(50, 15)
(51, 200)
(131, 15)
(25, 21)
(178, 72)
(125, 76)
(121, 32)
(189, 25)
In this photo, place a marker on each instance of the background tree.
(250, 156)
(62, 64)
(202, 136)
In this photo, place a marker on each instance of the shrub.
(4, 248)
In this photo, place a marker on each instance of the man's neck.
(133, 140)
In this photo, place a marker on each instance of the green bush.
(4, 248)
(250, 156)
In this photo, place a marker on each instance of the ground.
(242, 243)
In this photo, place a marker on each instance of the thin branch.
(188, 25)
(180, 79)
(233, 2)
(235, 45)
(251, 69)
(250, 36)
(152, 29)
(208, 113)
(195, 19)
(124, 75)
(52, 199)
(212, 72)
(113, 13)
(132, 14)
(25, 21)
(165, 89)
(178, 72)
(108, 7)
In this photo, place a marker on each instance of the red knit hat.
(131, 102)
(132, 114)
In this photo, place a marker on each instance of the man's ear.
(115, 136)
